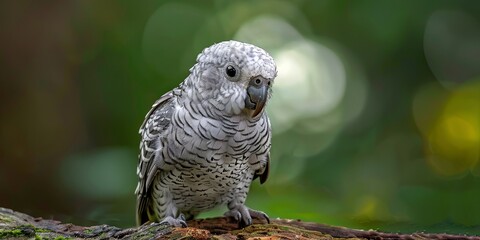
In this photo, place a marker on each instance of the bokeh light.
(451, 46)
(311, 83)
(454, 134)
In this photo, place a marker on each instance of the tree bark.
(16, 225)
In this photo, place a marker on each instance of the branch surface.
(16, 225)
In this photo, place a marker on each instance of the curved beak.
(257, 92)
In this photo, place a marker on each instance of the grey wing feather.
(263, 173)
(152, 129)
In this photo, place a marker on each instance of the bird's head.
(233, 77)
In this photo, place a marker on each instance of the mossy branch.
(16, 225)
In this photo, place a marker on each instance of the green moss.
(28, 231)
(17, 232)
(41, 230)
(103, 236)
(284, 228)
(5, 219)
(61, 238)
(11, 233)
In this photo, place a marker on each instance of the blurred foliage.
(375, 113)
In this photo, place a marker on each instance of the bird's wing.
(152, 130)
(263, 173)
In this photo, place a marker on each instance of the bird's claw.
(176, 222)
(259, 215)
(243, 215)
(234, 213)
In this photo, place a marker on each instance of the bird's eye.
(231, 71)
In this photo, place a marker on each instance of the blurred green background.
(375, 112)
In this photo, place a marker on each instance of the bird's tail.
(142, 209)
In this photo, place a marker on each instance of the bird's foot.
(243, 215)
(176, 222)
